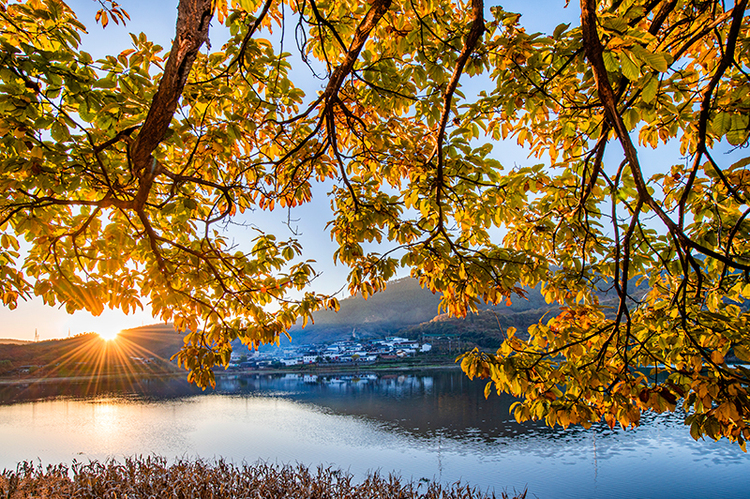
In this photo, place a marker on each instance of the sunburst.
(108, 334)
(104, 354)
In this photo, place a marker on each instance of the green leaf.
(105, 83)
(559, 30)
(650, 88)
(610, 61)
(721, 123)
(630, 69)
(741, 163)
(657, 61)
(736, 136)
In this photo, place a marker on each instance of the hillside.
(405, 309)
(402, 304)
(160, 340)
(11, 341)
(485, 329)
(143, 349)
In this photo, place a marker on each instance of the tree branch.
(193, 19)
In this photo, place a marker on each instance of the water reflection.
(423, 405)
(119, 387)
(435, 425)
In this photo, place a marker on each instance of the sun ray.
(79, 353)
(93, 360)
(127, 362)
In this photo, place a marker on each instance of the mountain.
(10, 341)
(485, 329)
(143, 349)
(401, 304)
(405, 309)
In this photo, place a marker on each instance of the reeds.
(154, 478)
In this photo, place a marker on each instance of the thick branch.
(705, 110)
(594, 50)
(376, 12)
(193, 18)
(472, 39)
(477, 28)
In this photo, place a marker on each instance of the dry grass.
(153, 477)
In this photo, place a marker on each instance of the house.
(294, 361)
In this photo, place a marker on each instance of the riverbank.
(153, 477)
(311, 369)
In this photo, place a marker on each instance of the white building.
(294, 361)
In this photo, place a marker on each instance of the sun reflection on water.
(105, 416)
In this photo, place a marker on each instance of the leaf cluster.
(122, 175)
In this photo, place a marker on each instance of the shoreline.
(309, 369)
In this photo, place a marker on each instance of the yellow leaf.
(717, 357)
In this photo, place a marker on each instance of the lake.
(432, 425)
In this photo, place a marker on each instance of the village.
(352, 351)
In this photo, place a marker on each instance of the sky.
(157, 20)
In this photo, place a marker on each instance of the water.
(433, 426)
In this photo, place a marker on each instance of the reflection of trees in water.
(432, 406)
(442, 403)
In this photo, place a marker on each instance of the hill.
(143, 349)
(156, 340)
(401, 304)
(485, 329)
(405, 309)
(10, 341)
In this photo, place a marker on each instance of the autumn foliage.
(120, 174)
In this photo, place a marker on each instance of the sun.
(108, 334)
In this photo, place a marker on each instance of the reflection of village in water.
(441, 402)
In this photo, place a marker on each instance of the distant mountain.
(10, 341)
(405, 309)
(485, 329)
(401, 304)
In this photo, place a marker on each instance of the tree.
(118, 173)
